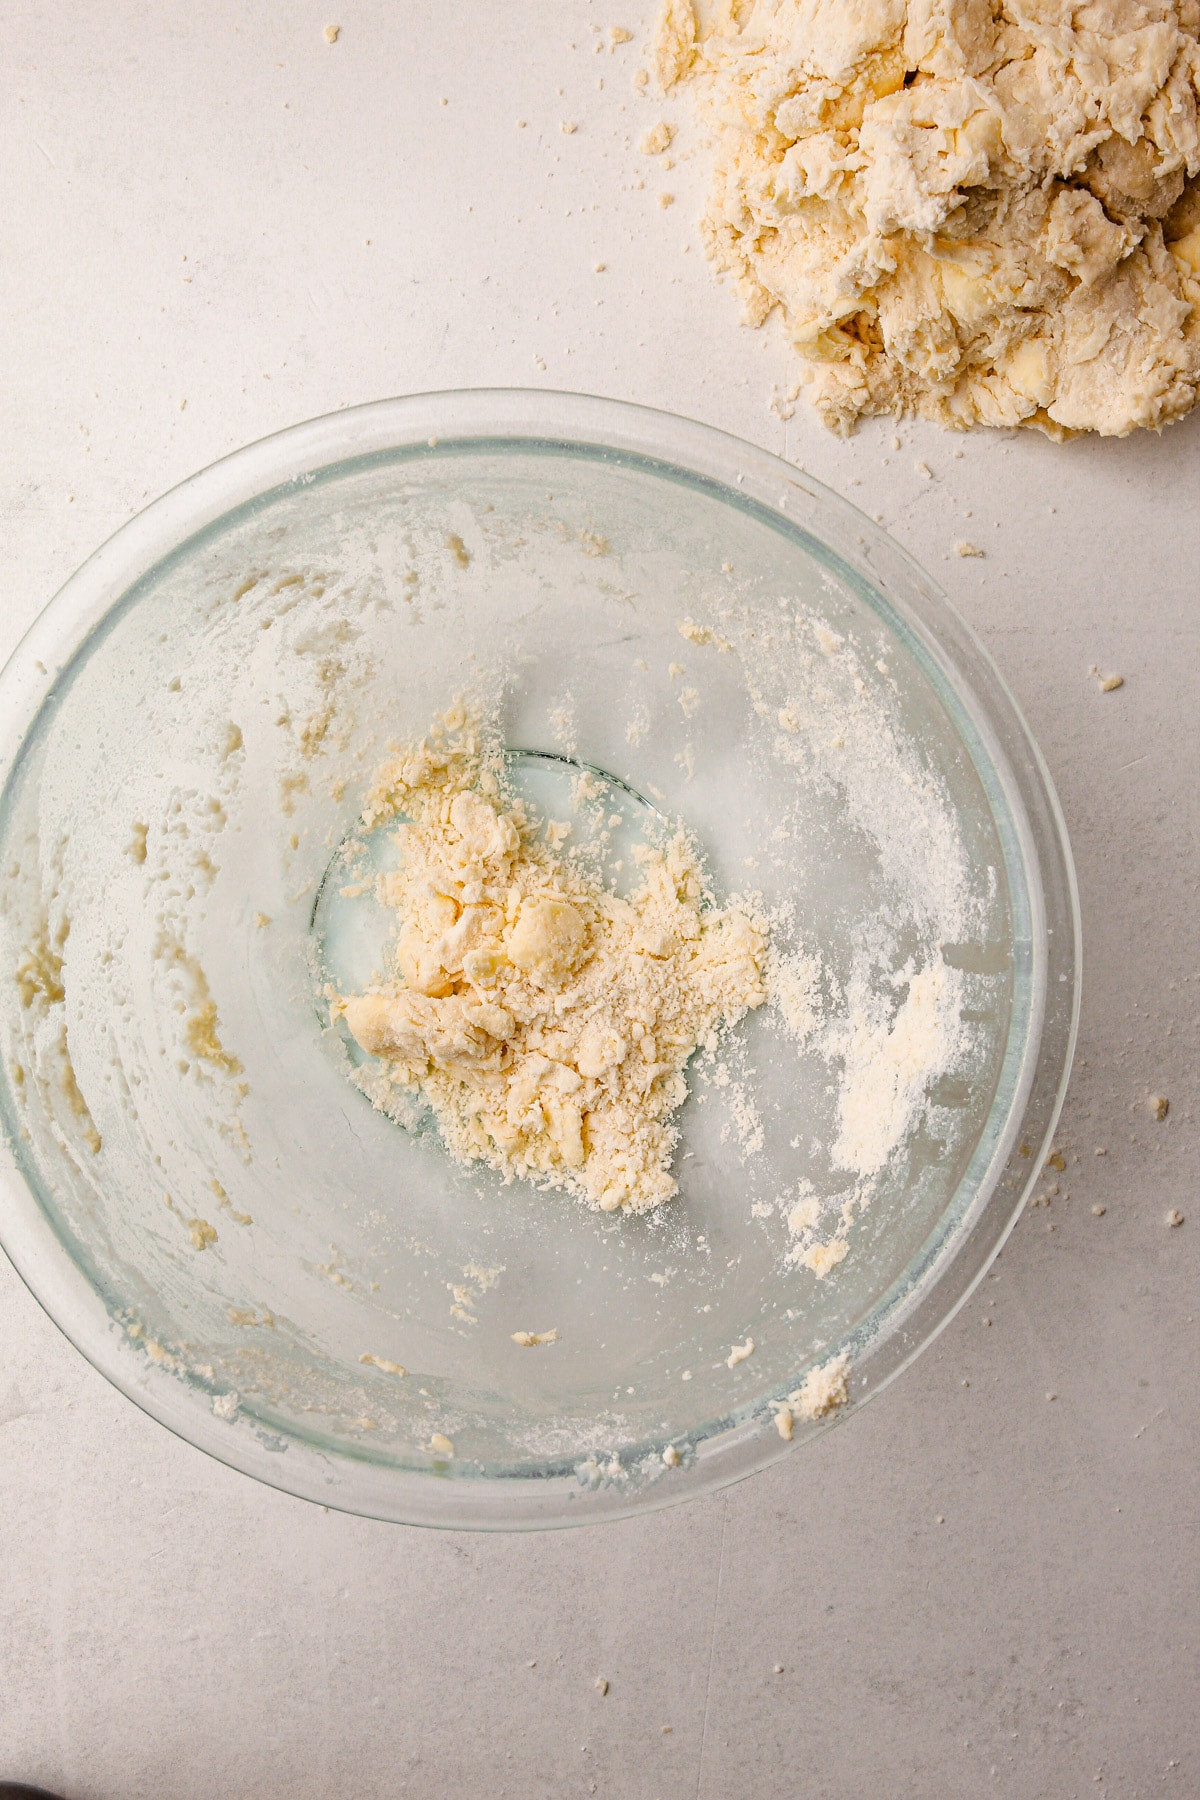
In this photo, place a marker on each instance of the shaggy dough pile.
(546, 1021)
(982, 211)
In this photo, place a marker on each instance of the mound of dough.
(981, 211)
(546, 1021)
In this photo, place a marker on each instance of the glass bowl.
(193, 1187)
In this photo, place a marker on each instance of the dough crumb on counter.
(1159, 1106)
(529, 1340)
(983, 214)
(740, 1353)
(381, 1362)
(441, 1446)
(545, 1020)
(658, 139)
(1108, 684)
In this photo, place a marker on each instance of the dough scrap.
(984, 212)
(824, 1389)
(546, 1021)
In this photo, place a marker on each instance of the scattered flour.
(889, 1064)
(805, 1213)
(889, 1023)
(792, 984)
(889, 1060)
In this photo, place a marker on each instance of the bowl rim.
(39, 669)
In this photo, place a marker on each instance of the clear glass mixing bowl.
(193, 1188)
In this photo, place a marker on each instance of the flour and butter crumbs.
(545, 1020)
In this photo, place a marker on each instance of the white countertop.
(972, 1589)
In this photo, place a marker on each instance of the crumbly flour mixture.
(982, 211)
(545, 1020)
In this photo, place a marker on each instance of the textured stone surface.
(169, 1630)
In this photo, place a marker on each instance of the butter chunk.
(547, 940)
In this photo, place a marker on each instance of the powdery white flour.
(888, 1062)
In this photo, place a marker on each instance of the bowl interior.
(182, 1111)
